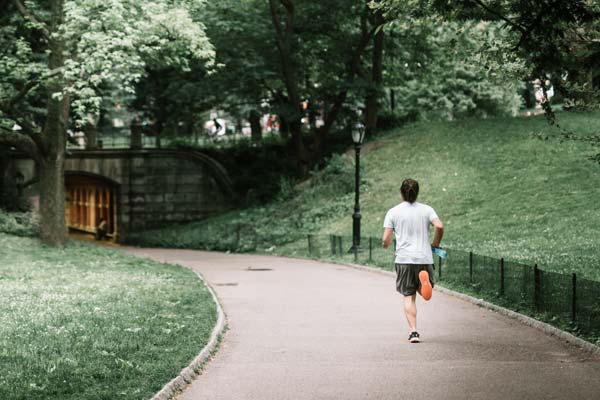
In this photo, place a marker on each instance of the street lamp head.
(358, 134)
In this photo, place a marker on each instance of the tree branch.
(277, 24)
(525, 35)
(498, 15)
(289, 24)
(352, 71)
(20, 141)
(29, 16)
(9, 108)
(9, 104)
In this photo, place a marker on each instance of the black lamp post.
(358, 134)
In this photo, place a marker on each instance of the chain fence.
(567, 301)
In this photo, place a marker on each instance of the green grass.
(91, 323)
(500, 190)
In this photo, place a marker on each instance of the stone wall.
(154, 187)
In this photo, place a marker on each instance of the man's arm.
(386, 239)
(438, 232)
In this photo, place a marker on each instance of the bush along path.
(92, 323)
(305, 329)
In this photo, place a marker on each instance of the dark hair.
(410, 190)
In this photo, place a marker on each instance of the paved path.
(312, 330)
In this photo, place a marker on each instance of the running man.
(410, 222)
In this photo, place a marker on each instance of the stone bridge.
(133, 189)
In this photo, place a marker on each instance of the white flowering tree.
(59, 58)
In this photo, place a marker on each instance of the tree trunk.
(302, 158)
(283, 40)
(239, 126)
(3, 167)
(53, 230)
(254, 119)
(372, 100)
(284, 127)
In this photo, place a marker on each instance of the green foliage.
(85, 322)
(337, 177)
(500, 191)
(438, 69)
(19, 223)
(287, 189)
(108, 46)
(388, 119)
(258, 169)
(555, 42)
(261, 228)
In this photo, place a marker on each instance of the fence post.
(439, 268)
(309, 237)
(340, 243)
(574, 298)
(370, 249)
(502, 277)
(471, 266)
(537, 287)
(332, 240)
(238, 228)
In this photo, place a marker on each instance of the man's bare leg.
(410, 309)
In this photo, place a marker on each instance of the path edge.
(532, 322)
(188, 374)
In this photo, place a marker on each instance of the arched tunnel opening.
(91, 199)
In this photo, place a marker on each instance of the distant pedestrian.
(410, 222)
(217, 126)
(101, 230)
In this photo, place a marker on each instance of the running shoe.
(425, 290)
(414, 337)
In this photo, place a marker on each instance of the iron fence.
(565, 300)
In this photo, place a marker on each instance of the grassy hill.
(500, 187)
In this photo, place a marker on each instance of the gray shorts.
(407, 277)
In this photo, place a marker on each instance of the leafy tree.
(558, 41)
(61, 57)
(239, 83)
(436, 67)
(311, 53)
(322, 50)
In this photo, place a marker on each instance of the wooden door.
(88, 201)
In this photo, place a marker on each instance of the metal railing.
(568, 301)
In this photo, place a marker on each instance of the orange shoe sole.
(426, 289)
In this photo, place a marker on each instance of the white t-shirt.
(410, 223)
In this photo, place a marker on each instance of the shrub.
(19, 223)
(337, 176)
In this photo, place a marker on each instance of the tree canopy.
(60, 58)
(320, 67)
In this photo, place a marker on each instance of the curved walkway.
(303, 329)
